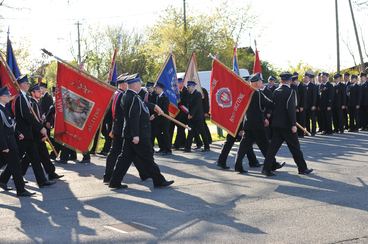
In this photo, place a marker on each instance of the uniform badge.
(224, 98)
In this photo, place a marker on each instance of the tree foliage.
(216, 33)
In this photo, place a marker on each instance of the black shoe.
(187, 150)
(257, 165)
(102, 153)
(164, 184)
(239, 167)
(223, 166)
(5, 187)
(25, 193)
(205, 150)
(277, 166)
(268, 173)
(106, 181)
(46, 183)
(196, 148)
(62, 162)
(120, 186)
(55, 176)
(241, 171)
(306, 172)
(25, 180)
(85, 161)
(144, 177)
(52, 156)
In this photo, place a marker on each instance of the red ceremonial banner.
(81, 102)
(230, 97)
(257, 67)
(7, 78)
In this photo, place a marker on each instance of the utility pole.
(337, 36)
(357, 38)
(185, 16)
(185, 27)
(79, 46)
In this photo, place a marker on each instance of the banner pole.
(303, 129)
(74, 68)
(176, 121)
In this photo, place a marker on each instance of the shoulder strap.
(113, 105)
(5, 120)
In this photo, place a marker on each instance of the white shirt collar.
(2, 105)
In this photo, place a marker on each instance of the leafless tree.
(361, 2)
(350, 51)
(363, 42)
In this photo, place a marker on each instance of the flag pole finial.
(211, 56)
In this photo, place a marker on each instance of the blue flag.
(10, 59)
(114, 76)
(235, 62)
(169, 79)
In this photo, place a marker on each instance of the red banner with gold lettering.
(230, 97)
(81, 102)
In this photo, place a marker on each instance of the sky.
(287, 31)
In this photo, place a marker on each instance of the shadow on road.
(177, 211)
(46, 221)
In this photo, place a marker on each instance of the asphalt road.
(205, 205)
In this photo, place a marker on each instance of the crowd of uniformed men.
(133, 123)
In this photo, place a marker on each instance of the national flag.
(235, 62)
(230, 97)
(81, 102)
(10, 59)
(191, 74)
(113, 75)
(257, 67)
(7, 78)
(169, 79)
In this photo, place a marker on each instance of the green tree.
(301, 68)
(216, 33)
